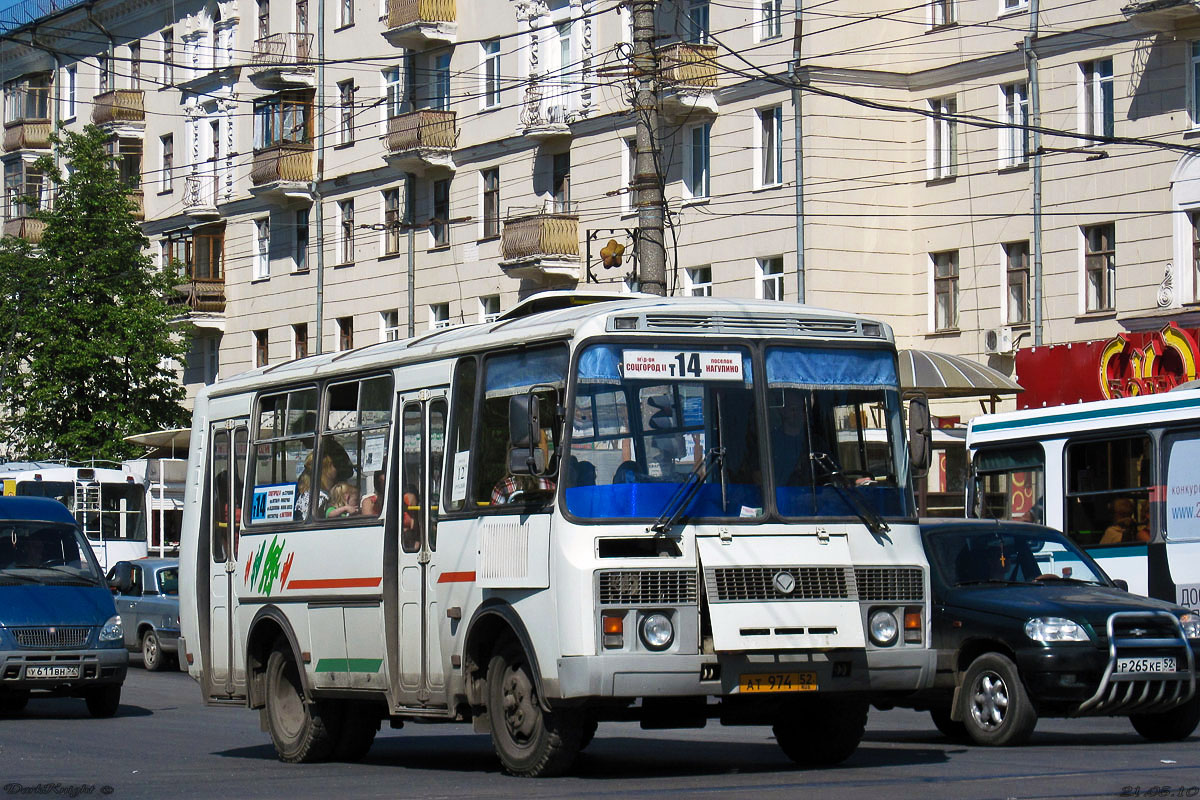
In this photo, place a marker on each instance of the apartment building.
(331, 174)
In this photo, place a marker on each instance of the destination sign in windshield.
(685, 365)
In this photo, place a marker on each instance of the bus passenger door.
(226, 477)
(422, 436)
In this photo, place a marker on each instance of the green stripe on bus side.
(348, 665)
(1075, 416)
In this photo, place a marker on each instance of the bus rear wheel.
(301, 731)
(821, 732)
(530, 742)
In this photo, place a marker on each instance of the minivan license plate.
(1146, 665)
(52, 672)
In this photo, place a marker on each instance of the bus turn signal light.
(912, 625)
(614, 631)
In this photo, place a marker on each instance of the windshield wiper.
(63, 569)
(682, 498)
(873, 521)
(17, 576)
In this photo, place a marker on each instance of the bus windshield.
(105, 510)
(659, 429)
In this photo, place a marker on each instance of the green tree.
(91, 355)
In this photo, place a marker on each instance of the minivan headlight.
(1191, 625)
(111, 632)
(1055, 629)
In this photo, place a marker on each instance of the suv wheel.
(995, 708)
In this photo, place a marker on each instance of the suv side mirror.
(1121, 584)
(920, 436)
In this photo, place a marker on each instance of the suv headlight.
(111, 632)
(1055, 629)
(1191, 625)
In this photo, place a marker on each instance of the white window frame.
(487, 314)
(1013, 111)
(697, 187)
(1011, 7)
(393, 96)
(345, 13)
(696, 283)
(71, 92)
(1006, 315)
(346, 91)
(770, 19)
(167, 35)
(297, 264)
(941, 140)
(761, 144)
(1092, 110)
(483, 232)
(345, 242)
(628, 159)
(1110, 283)
(389, 234)
(439, 316)
(166, 176)
(389, 325)
(762, 277)
(262, 248)
(489, 74)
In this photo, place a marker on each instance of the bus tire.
(302, 732)
(821, 732)
(1169, 726)
(152, 654)
(530, 742)
(952, 729)
(360, 723)
(996, 709)
(103, 701)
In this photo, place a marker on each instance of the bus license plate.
(52, 672)
(778, 682)
(1146, 665)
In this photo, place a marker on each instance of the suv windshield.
(46, 553)
(963, 557)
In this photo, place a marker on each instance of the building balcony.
(27, 134)
(120, 109)
(200, 196)
(283, 61)
(1162, 15)
(688, 76)
(283, 172)
(202, 296)
(420, 23)
(546, 113)
(541, 245)
(421, 141)
(27, 228)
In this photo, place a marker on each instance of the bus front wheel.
(302, 732)
(821, 732)
(529, 741)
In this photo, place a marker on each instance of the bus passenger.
(372, 504)
(1124, 527)
(343, 500)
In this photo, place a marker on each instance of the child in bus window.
(343, 500)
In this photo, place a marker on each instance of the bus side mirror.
(920, 436)
(524, 430)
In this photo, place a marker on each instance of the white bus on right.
(1120, 477)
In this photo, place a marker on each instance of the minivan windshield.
(46, 553)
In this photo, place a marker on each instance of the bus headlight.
(111, 632)
(656, 631)
(1191, 625)
(1055, 629)
(883, 628)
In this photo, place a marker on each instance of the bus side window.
(219, 512)
(437, 453)
(462, 428)
(1107, 481)
(412, 478)
(353, 444)
(284, 433)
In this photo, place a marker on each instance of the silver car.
(147, 596)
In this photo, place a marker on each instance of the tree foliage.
(89, 355)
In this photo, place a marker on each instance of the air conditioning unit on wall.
(998, 341)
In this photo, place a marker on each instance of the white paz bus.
(650, 509)
(1120, 477)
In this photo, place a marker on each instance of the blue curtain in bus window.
(827, 368)
(514, 373)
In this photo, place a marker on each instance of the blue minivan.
(59, 630)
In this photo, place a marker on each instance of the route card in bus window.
(273, 502)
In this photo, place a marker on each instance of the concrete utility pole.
(647, 183)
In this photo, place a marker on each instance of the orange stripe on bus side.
(335, 583)
(456, 577)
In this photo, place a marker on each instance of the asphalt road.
(164, 743)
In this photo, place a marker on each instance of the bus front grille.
(876, 584)
(643, 587)
(869, 584)
(51, 638)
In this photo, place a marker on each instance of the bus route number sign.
(693, 365)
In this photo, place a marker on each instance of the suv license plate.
(52, 672)
(778, 682)
(1146, 665)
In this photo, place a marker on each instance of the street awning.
(944, 375)
(172, 439)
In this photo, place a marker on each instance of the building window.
(200, 252)
(945, 290)
(300, 340)
(24, 189)
(71, 82)
(393, 94)
(264, 18)
(262, 248)
(770, 278)
(489, 308)
(770, 146)
(104, 73)
(491, 202)
(942, 156)
(561, 182)
(439, 316)
(389, 325)
(345, 327)
(941, 12)
(696, 161)
(346, 118)
(285, 118)
(345, 13)
(168, 56)
(1097, 117)
(1194, 219)
(166, 146)
(346, 216)
(1012, 5)
(1016, 268)
(135, 65)
(1100, 266)
(439, 82)
(491, 73)
(1194, 84)
(27, 98)
(630, 169)
(770, 18)
(300, 256)
(699, 281)
(127, 159)
(439, 225)
(697, 21)
(391, 221)
(260, 348)
(1014, 114)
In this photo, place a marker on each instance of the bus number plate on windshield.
(52, 672)
(687, 365)
(778, 682)
(1149, 665)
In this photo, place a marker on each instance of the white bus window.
(284, 434)
(353, 445)
(461, 432)
(1183, 487)
(412, 478)
(1011, 484)
(1108, 491)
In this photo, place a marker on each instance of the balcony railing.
(200, 194)
(27, 228)
(405, 13)
(1162, 15)
(119, 105)
(421, 129)
(685, 65)
(283, 48)
(289, 163)
(540, 234)
(27, 134)
(201, 295)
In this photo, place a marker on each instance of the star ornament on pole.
(612, 254)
